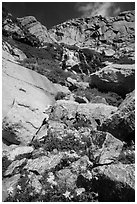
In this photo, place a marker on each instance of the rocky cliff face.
(68, 124)
(110, 36)
(27, 30)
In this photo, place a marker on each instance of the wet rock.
(117, 78)
(122, 123)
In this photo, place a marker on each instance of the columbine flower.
(67, 194)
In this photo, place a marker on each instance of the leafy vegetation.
(60, 96)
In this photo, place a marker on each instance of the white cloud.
(97, 8)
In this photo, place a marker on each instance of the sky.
(53, 13)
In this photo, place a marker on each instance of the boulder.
(18, 151)
(75, 84)
(116, 78)
(80, 99)
(105, 148)
(115, 183)
(27, 97)
(109, 52)
(63, 109)
(69, 109)
(96, 111)
(15, 164)
(121, 124)
(43, 163)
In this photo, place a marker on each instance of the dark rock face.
(27, 30)
(122, 123)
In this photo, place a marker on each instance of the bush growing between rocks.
(48, 68)
(69, 142)
(60, 96)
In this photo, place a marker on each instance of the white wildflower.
(67, 194)
(51, 179)
(80, 190)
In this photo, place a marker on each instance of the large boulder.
(116, 182)
(43, 163)
(105, 148)
(69, 110)
(121, 124)
(27, 96)
(116, 78)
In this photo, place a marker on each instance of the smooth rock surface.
(26, 97)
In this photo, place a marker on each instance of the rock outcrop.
(116, 182)
(122, 123)
(116, 78)
(70, 111)
(26, 96)
(36, 29)
(114, 35)
(76, 142)
(27, 30)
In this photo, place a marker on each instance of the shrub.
(60, 96)
(48, 68)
